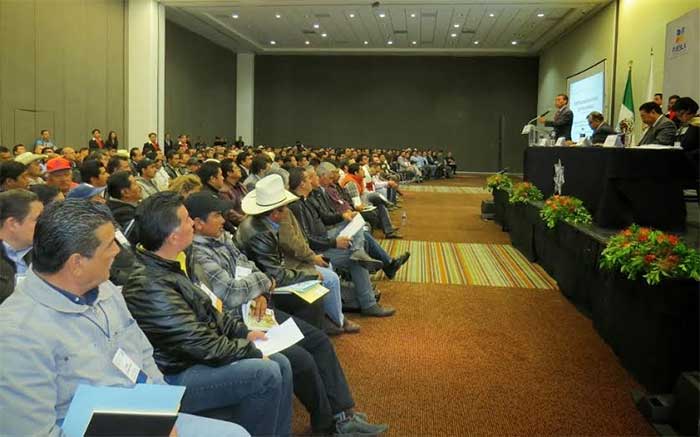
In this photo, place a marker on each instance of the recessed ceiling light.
(476, 43)
(278, 16)
(413, 15)
(492, 14)
(540, 15)
(324, 35)
(316, 25)
(414, 42)
(382, 15)
(234, 16)
(307, 42)
(390, 42)
(351, 15)
(453, 35)
(455, 26)
(365, 42)
(273, 42)
(515, 43)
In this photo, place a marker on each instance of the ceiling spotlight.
(307, 42)
(390, 42)
(414, 42)
(273, 42)
(492, 15)
(476, 43)
(324, 35)
(365, 42)
(455, 26)
(382, 15)
(515, 43)
(278, 16)
(540, 15)
(413, 15)
(453, 35)
(234, 16)
(316, 25)
(351, 15)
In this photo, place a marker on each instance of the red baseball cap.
(57, 164)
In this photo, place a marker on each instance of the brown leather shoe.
(350, 327)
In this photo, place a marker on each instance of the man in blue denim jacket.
(64, 324)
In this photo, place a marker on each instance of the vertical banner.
(682, 56)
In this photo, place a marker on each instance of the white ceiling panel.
(451, 27)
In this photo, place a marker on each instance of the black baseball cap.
(201, 204)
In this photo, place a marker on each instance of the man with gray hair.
(65, 324)
(601, 129)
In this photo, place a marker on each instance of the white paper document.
(280, 338)
(352, 228)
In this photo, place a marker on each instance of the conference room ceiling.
(461, 28)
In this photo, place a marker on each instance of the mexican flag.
(627, 107)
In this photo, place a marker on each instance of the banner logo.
(679, 45)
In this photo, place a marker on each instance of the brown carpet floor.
(469, 360)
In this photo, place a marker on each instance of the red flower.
(649, 258)
(643, 237)
(673, 240)
(660, 238)
(627, 233)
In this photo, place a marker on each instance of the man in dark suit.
(601, 129)
(661, 130)
(563, 118)
(689, 133)
(96, 141)
(152, 144)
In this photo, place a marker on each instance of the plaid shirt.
(218, 259)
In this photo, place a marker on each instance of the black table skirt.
(618, 186)
(500, 203)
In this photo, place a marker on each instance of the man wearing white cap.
(34, 170)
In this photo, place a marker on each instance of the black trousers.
(311, 313)
(319, 380)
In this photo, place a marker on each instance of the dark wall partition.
(200, 86)
(442, 102)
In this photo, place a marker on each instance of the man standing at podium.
(563, 118)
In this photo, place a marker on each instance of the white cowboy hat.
(269, 193)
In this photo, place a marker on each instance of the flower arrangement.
(499, 181)
(564, 208)
(524, 192)
(652, 254)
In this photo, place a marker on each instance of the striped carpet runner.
(492, 265)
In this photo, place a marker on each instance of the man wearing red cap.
(60, 174)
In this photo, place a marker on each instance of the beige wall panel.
(50, 75)
(17, 57)
(66, 59)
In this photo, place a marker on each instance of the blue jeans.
(196, 426)
(255, 393)
(360, 277)
(375, 250)
(332, 302)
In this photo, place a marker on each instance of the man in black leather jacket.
(195, 341)
(195, 337)
(337, 250)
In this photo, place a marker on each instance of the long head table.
(618, 186)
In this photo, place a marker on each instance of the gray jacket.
(50, 345)
(662, 132)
